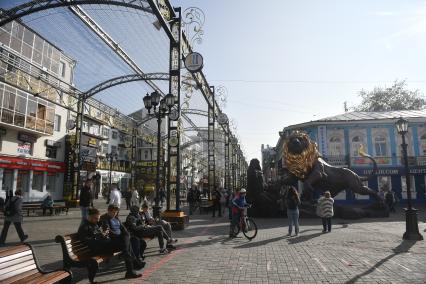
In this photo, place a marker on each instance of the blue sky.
(286, 62)
(282, 62)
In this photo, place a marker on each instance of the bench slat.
(41, 278)
(15, 261)
(16, 278)
(28, 263)
(10, 251)
(17, 271)
(9, 257)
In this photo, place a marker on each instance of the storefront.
(394, 178)
(35, 178)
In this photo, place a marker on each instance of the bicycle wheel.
(250, 230)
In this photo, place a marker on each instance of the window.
(113, 149)
(146, 154)
(62, 68)
(114, 135)
(41, 111)
(51, 152)
(356, 144)
(104, 148)
(37, 181)
(105, 132)
(380, 146)
(335, 147)
(51, 183)
(423, 145)
(57, 123)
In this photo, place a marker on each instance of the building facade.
(32, 127)
(340, 137)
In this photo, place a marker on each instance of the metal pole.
(411, 223)
(156, 211)
(110, 171)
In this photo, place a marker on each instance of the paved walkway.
(365, 251)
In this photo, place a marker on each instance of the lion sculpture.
(304, 163)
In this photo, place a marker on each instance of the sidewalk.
(360, 251)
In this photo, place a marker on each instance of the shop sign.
(30, 164)
(390, 171)
(24, 148)
(24, 137)
(89, 141)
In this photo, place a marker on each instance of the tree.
(396, 97)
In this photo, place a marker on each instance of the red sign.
(31, 164)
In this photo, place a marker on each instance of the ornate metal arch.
(195, 112)
(125, 79)
(30, 7)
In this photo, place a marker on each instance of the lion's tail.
(365, 155)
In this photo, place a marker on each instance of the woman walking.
(134, 201)
(325, 210)
(292, 203)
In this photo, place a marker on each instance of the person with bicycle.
(239, 203)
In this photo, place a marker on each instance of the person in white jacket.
(115, 196)
(134, 201)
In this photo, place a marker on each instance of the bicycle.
(246, 225)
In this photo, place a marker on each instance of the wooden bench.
(18, 264)
(35, 207)
(77, 254)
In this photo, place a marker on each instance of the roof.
(363, 115)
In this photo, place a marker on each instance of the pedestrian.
(230, 197)
(85, 199)
(134, 200)
(47, 204)
(390, 200)
(190, 200)
(325, 205)
(115, 196)
(162, 196)
(128, 197)
(223, 199)
(292, 204)
(216, 195)
(13, 214)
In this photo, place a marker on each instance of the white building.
(32, 128)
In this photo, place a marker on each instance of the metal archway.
(123, 80)
(34, 6)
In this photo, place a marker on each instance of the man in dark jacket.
(103, 239)
(133, 221)
(216, 195)
(85, 199)
(140, 229)
(13, 214)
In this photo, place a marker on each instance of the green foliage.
(396, 97)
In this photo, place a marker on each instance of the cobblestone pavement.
(363, 251)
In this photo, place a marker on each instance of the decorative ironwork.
(125, 79)
(221, 96)
(30, 7)
(193, 22)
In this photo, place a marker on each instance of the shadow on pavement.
(403, 247)
(260, 243)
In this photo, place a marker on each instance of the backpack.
(9, 208)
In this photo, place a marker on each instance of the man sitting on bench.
(149, 220)
(107, 239)
(142, 230)
(133, 223)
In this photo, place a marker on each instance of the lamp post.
(411, 224)
(111, 157)
(164, 107)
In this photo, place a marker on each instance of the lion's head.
(300, 154)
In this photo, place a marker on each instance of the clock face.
(127, 143)
(222, 118)
(173, 141)
(174, 115)
(70, 124)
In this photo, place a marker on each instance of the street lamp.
(164, 107)
(411, 224)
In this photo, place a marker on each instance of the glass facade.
(24, 110)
